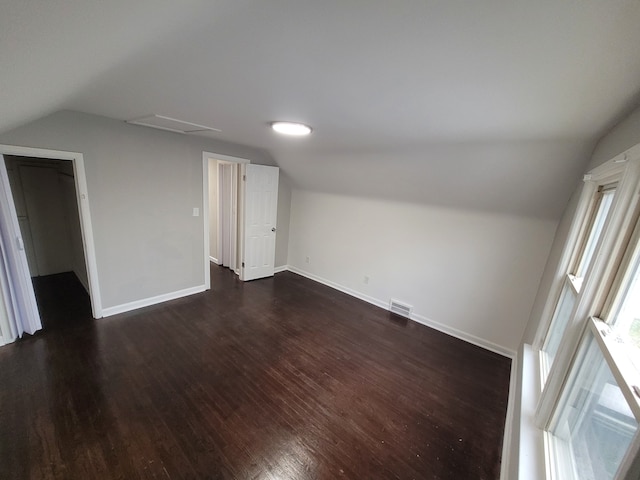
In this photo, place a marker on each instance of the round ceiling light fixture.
(291, 128)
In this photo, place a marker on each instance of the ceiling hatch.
(171, 124)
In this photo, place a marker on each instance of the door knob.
(273, 229)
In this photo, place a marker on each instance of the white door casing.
(219, 158)
(82, 200)
(259, 220)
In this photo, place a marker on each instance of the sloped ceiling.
(487, 104)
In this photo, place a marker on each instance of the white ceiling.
(486, 104)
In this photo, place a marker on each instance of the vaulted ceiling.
(487, 104)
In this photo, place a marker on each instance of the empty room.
(320, 240)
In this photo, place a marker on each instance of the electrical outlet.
(306, 260)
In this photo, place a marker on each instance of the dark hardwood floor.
(62, 300)
(281, 378)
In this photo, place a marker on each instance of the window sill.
(531, 461)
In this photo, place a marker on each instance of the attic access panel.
(171, 124)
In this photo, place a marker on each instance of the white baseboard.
(337, 286)
(480, 342)
(127, 307)
(467, 337)
(214, 260)
(282, 268)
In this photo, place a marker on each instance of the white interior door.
(260, 214)
(18, 298)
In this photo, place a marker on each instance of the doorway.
(240, 202)
(227, 218)
(46, 204)
(47, 234)
(223, 209)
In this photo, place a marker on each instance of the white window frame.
(625, 378)
(610, 172)
(597, 284)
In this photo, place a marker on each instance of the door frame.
(206, 156)
(82, 197)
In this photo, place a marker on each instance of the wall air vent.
(171, 124)
(400, 308)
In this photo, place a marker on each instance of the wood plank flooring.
(281, 378)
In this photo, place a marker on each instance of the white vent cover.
(400, 308)
(171, 124)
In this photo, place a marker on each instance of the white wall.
(523, 178)
(622, 137)
(474, 273)
(70, 200)
(142, 187)
(549, 275)
(282, 224)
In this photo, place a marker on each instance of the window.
(559, 323)
(589, 406)
(593, 425)
(622, 310)
(597, 417)
(582, 252)
(602, 206)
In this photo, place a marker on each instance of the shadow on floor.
(62, 301)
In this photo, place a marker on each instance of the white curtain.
(7, 333)
(18, 299)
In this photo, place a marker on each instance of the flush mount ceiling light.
(291, 128)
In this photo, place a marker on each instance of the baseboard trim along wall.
(214, 260)
(480, 342)
(145, 302)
